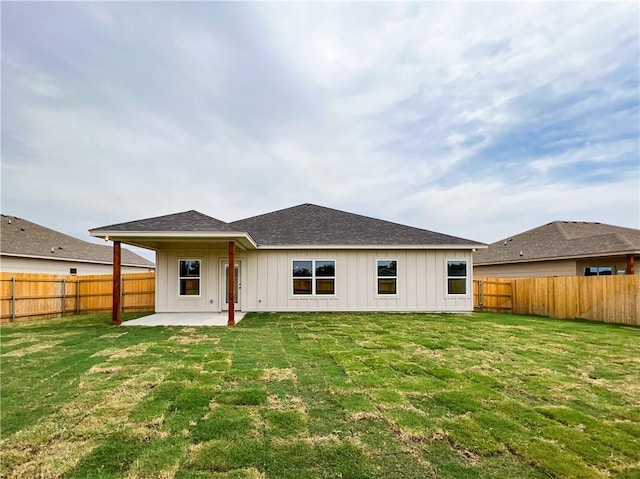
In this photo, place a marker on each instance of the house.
(27, 247)
(562, 248)
(303, 258)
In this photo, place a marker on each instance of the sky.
(479, 120)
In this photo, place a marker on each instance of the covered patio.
(213, 284)
(184, 319)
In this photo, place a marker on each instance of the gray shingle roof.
(309, 224)
(186, 221)
(24, 238)
(306, 224)
(562, 239)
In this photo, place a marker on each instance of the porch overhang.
(156, 240)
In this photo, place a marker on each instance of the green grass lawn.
(322, 396)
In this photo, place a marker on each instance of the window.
(314, 277)
(457, 276)
(387, 276)
(73, 270)
(189, 271)
(598, 271)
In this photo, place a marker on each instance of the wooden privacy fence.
(611, 299)
(493, 294)
(35, 296)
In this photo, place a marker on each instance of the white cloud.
(489, 209)
(448, 116)
(602, 153)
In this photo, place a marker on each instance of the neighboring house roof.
(561, 240)
(23, 238)
(302, 225)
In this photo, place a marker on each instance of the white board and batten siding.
(421, 283)
(267, 282)
(168, 297)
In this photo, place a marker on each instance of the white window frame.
(180, 278)
(378, 277)
(313, 278)
(467, 292)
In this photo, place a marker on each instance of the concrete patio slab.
(184, 319)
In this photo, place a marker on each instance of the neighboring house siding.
(618, 264)
(266, 281)
(13, 264)
(552, 268)
(527, 270)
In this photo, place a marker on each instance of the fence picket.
(26, 296)
(610, 299)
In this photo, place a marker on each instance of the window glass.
(387, 276)
(457, 268)
(598, 271)
(189, 287)
(189, 270)
(236, 291)
(325, 286)
(387, 268)
(302, 286)
(302, 269)
(457, 286)
(314, 277)
(325, 268)
(456, 277)
(386, 286)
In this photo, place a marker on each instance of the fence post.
(64, 296)
(78, 295)
(13, 299)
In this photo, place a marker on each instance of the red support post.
(630, 264)
(117, 281)
(232, 281)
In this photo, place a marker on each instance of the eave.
(373, 247)
(155, 240)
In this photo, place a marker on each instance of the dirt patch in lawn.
(35, 348)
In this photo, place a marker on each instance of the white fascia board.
(374, 247)
(173, 235)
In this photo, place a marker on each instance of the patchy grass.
(322, 396)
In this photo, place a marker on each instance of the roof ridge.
(596, 235)
(337, 211)
(623, 239)
(268, 213)
(558, 224)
